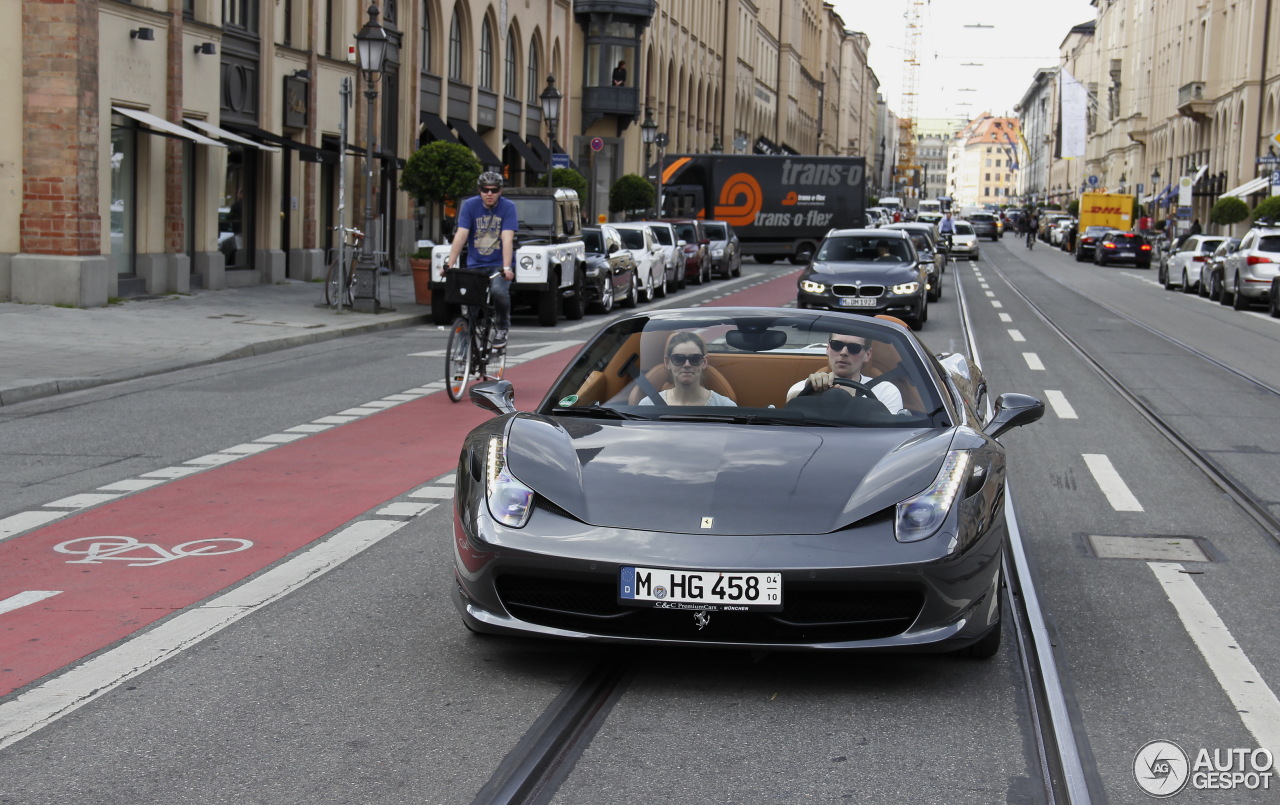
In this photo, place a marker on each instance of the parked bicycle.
(470, 352)
(344, 255)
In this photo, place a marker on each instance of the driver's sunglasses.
(677, 359)
(491, 190)
(836, 345)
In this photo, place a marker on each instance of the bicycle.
(470, 352)
(351, 240)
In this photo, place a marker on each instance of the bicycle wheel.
(492, 361)
(331, 285)
(457, 359)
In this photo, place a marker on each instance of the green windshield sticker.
(568, 401)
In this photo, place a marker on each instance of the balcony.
(1192, 103)
(620, 102)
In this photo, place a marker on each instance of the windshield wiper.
(596, 411)
(749, 419)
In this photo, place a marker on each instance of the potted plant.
(438, 172)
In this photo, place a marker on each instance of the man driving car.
(846, 355)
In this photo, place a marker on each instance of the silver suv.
(1247, 272)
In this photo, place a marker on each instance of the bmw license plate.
(700, 589)
(857, 301)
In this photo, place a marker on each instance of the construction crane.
(908, 171)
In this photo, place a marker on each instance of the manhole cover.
(1154, 549)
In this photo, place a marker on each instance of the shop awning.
(1199, 175)
(472, 139)
(1248, 188)
(307, 153)
(531, 160)
(159, 125)
(223, 134)
(438, 128)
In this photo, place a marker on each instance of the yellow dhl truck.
(1112, 210)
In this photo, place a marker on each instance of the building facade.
(1176, 90)
(983, 162)
(159, 145)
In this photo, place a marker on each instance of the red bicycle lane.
(280, 501)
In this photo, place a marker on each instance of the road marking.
(313, 428)
(1254, 701)
(1016, 335)
(361, 411)
(405, 508)
(213, 460)
(1006, 318)
(433, 492)
(131, 485)
(83, 501)
(25, 599)
(996, 303)
(44, 704)
(1111, 484)
(247, 448)
(1033, 361)
(990, 294)
(281, 438)
(171, 472)
(1058, 402)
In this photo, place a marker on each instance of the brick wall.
(60, 137)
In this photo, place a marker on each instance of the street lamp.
(716, 147)
(1123, 183)
(550, 98)
(371, 46)
(661, 142)
(648, 133)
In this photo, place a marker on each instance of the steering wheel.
(839, 381)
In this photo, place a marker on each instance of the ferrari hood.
(721, 478)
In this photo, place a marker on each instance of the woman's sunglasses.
(837, 345)
(680, 360)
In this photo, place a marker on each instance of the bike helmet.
(489, 179)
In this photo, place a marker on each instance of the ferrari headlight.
(510, 502)
(809, 286)
(906, 288)
(921, 516)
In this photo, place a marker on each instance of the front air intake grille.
(858, 290)
(814, 613)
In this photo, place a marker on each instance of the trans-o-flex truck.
(780, 206)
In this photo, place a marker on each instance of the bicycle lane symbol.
(97, 550)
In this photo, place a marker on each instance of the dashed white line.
(1033, 361)
(1006, 318)
(1111, 484)
(405, 508)
(1058, 402)
(25, 599)
(996, 303)
(1016, 335)
(82, 501)
(1255, 703)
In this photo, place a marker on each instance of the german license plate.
(857, 301)
(699, 589)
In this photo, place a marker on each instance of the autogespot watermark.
(1162, 769)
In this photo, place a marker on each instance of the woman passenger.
(686, 361)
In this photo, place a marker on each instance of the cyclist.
(1032, 225)
(487, 225)
(946, 228)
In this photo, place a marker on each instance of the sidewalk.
(51, 350)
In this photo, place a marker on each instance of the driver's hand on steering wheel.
(821, 381)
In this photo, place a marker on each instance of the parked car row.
(639, 261)
(1240, 272)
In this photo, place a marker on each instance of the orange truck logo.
(740, 199)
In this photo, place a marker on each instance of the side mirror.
(1011, 411)
(681, 243)
(612, 249)
(496, 396)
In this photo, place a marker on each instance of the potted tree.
(1228, 211)
(630, 192)
(438, 172)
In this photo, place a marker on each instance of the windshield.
(663, 235)
(632, 238)
(963, 229)
(535, 213)
(715, 231)
(687, 232)
(748, 368)
(864, 248)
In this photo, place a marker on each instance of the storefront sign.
(295, 102)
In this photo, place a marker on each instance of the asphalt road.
(360, 685)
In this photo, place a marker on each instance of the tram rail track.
(1240, 494)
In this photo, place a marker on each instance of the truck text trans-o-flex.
(781, 206)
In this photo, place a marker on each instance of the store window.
(486, 56)
(455, 48)
(123, 199)
(533, 84)
(511, 76)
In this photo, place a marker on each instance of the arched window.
(426, 37)
(531, 74)
(486, 56)
(511, 75)
(455, 49)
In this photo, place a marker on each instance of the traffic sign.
(1275, 177)
(597, 144)
(1093, 180)
(559, 160)
(1269, 159)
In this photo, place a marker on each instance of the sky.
(963, 70)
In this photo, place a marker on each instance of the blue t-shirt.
(484, 243)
